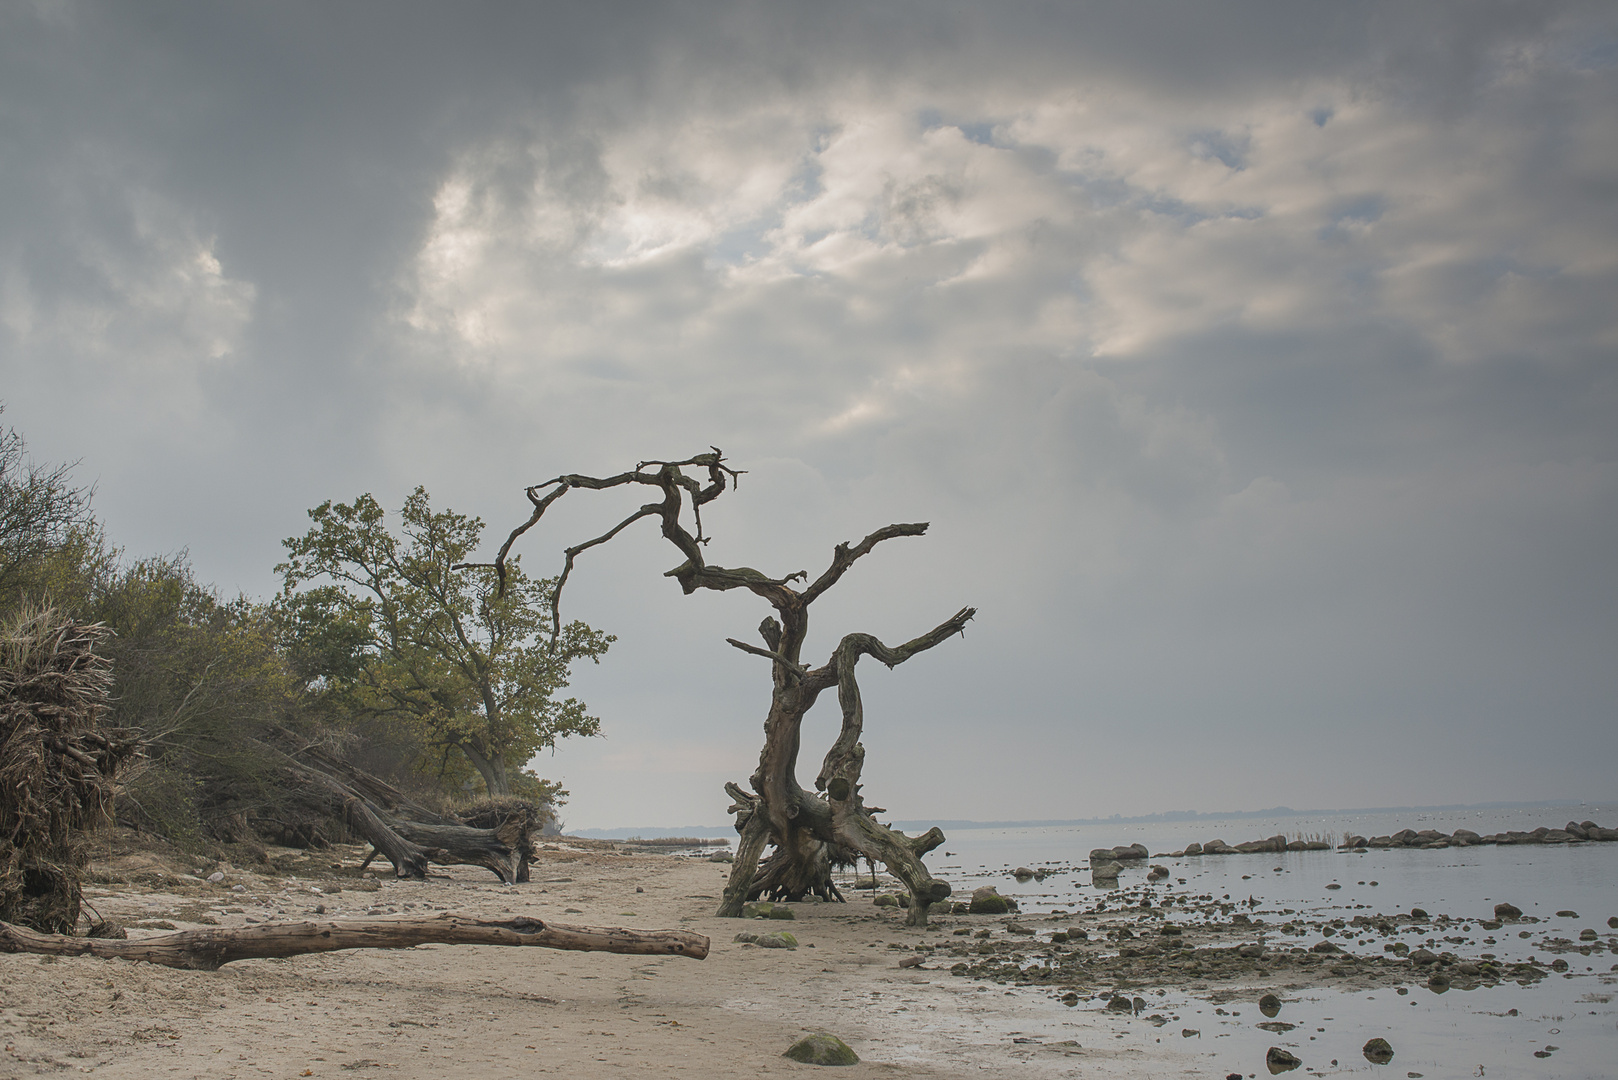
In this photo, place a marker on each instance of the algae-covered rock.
(758, 909)
(822, 1049)
(987, 901)
(780, 939)
(886, 900)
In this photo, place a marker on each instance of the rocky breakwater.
(1574, 832)
(1274, 843)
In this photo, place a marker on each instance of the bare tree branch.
(844, 556)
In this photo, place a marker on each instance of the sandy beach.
(433, 1011)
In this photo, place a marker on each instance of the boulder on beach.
(1507, 911)
(1193, 849)
(822, 1049)
(1022, 873)
(1130, 851)
(1105, 871)
(1378, 1052)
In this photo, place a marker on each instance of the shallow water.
(1454, 1034)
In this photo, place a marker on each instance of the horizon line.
(625, 832)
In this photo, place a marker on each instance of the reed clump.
(59, 758)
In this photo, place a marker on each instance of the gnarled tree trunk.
(811, 832)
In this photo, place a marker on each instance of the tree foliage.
(399, 627)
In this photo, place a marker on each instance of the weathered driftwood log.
(206, 950)
(502, 850)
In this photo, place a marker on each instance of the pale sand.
(437, 1011)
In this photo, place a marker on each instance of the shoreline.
(434, 1009)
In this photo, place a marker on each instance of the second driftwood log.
(206, 950)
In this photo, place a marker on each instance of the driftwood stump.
(207, 950)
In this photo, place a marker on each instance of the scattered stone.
(1421, 913)
(721, 857)
(1567, 914)
(886, 900)
(1334, 885)
(1269, 1005)
(1422, 958)
(1587, 934)
(1378, 1052)
(1277, 1027)
(780, 939)
(1157, 873)
(217, 876)
(1507, 911)
(1280, 1061)
(912, 961)
(1022, 873)
(1613, 922)
(822, 1049)
(1120, 1004)
(1105, 871)
(1017, 928)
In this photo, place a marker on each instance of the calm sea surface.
(1456, 1034)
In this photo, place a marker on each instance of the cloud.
(1254, 367)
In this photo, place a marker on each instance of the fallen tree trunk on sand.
(206, 950)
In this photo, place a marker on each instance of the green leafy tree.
(400, 626)
(201, 678)
(47, 532)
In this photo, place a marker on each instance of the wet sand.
(434, 1010)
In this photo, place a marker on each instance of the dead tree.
(811, 830)
(207, 950)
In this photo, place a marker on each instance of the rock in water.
(822, 1049)
(1378, 1052)
(986, 901)
(1105, 871)
(1022, 873)
(1269, 1005)
(1280, 1061)
(1507, 911)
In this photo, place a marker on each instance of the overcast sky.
(1254, 363)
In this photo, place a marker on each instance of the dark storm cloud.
(1253, 361)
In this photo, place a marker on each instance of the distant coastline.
(653, 832)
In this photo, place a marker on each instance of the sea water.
(1567, 1018)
